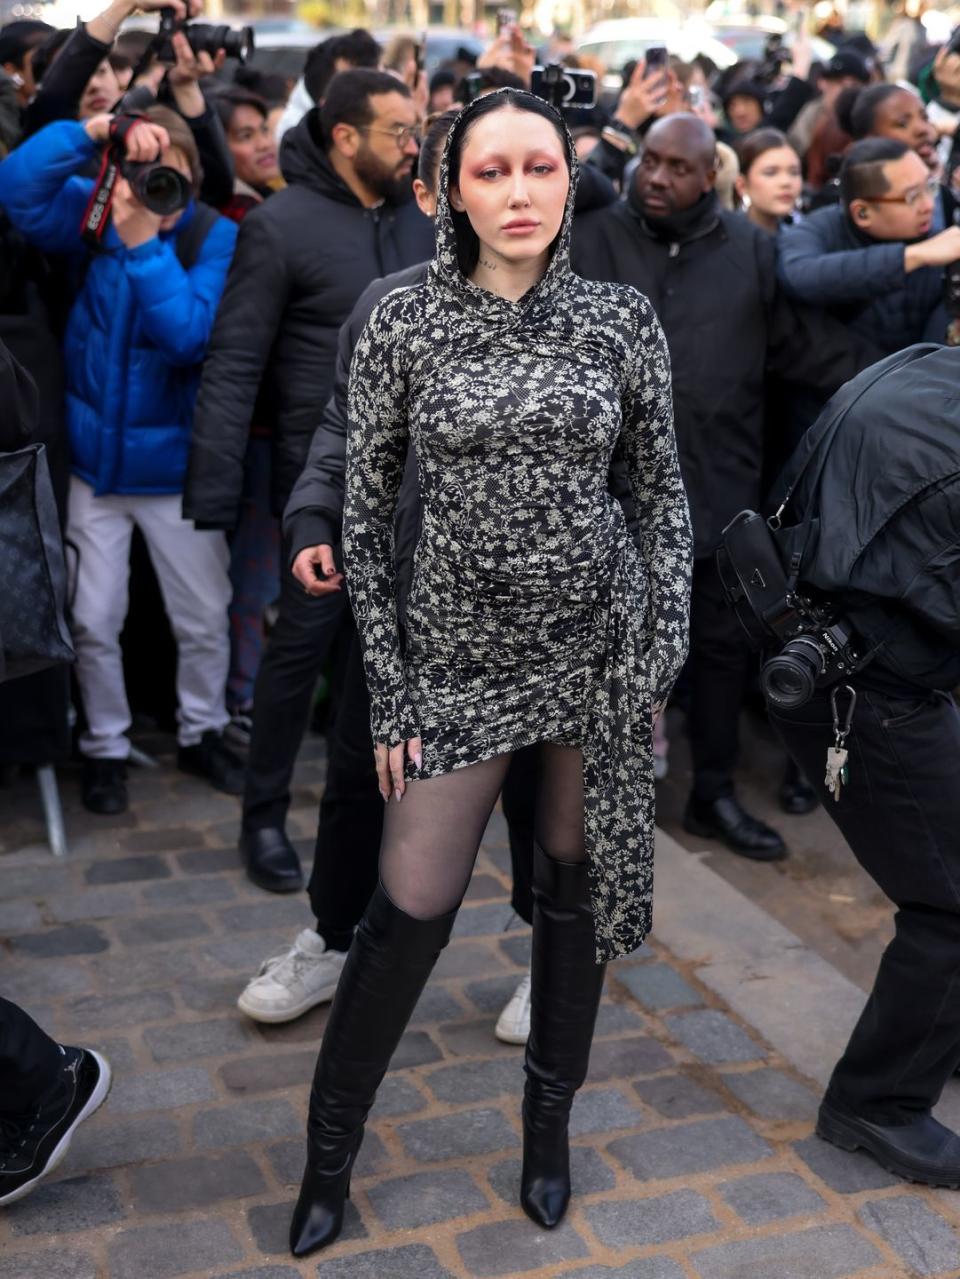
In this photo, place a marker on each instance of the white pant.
(192, 569)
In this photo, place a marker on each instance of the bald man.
(711, 276)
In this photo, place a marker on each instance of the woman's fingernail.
(399, 795)
(418, 759)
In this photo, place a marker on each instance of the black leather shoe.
(725, 819)
(213, 759)
(271, 860)
(923, 1151)
(318, 1215)
(103, 786)
(797, 797)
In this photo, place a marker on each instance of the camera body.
(564, 87)
(159, 187)
(818, 646)
(204, 37)
(774, 56)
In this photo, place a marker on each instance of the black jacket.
(314, 513)
(302, 260)
(714, 289)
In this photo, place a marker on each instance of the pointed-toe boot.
(388, 965)
(566, 985)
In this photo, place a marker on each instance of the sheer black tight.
(431, 838)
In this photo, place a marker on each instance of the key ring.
(842, 734)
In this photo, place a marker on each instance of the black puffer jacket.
(302, 260)
(713, 285)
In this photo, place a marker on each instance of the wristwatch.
(620, 136)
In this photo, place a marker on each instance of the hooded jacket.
(712, 281)
(302, 260)
(139, 329)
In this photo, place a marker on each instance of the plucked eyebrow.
(495, 158)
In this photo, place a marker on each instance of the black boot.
(390, 960)
(565, 995)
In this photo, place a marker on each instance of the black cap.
(747, 89)
(845, 62)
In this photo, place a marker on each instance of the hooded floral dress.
(532, 615)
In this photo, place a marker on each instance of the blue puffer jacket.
(824, 261)
(139, 329)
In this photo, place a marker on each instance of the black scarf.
(686, 224)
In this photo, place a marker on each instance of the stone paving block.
(470, 1132)
(825, 1252)
(648, 1268)
(191, 1039)
(658, 986)
(476, 1039)
(467, 958)
(510, 1247)
(416, 1048)
(246, 1121)
(207, 861)
(770, 1196)
(843, 1171)
(307, 1029)
(181, 1185)
(287, 1158)
(772, 1094)
(210, 994)
(267, 1074)
(265, 1272)
(516, 947)
(270, 1226)
(917, 1234)
(28, 983)
(491, 995)
(63, 1263)
(18, 917)
(116, 1050)
(159, 841)
(180, 1248)
(161, 1090)
(477, 1080)
(396, 1096)
(436, 1004)
(148, 930)
(603, 1110)
(289, 913)
(36, 881)
(677, 1097)
(92, 903)
(627, 1056)
(412, 1261)
(589, 1174)
(425, 1198)
(126, 870)
(688, 1148)
(77, 1203)
(189, 892)
(485, 888)
(122, 971)
(482, 921)
(712, 1036)
(96, 1012)
(106, 1144)
(243, 954)
(58, 943)
(617, 1018)
(625, 1223)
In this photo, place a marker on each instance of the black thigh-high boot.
(565, 995)
(390, 960)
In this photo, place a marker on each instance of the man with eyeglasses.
(303, 258)
(871, 260)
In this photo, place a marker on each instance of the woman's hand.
(390, 764)
(185, 75)
(305, 568)
(144, 141)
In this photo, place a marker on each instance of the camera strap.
(97, 213)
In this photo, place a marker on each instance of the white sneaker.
(513, 1026)
(289, 985)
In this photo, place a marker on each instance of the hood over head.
(445, 270)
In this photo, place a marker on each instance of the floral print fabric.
(532, 615)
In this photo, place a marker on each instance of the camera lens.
(161, 189)
(206, 38)
(788, 680)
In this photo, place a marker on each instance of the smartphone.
(563, 87)
(419, 54)
(505, 18)
(954, 45)
(655, 61)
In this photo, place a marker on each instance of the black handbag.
(33, 576)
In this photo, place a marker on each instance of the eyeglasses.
(911, 197)
(402, 134)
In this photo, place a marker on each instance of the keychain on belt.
(837, 754)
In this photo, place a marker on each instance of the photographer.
(870, 533)
(137, 334)
(871, 260)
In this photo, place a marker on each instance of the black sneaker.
(32, 1145)
(104, 786)
(213, 759)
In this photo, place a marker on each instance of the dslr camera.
(161, 188)
(817, 646)
(204, 37)
(774, 56)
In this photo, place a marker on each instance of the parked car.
(621, 40)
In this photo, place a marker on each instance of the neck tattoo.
(488, 265)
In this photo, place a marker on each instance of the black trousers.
(299, 648)
(30, 1061)
(900, 814)
(716, 673)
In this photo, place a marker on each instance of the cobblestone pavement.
(694, 1156)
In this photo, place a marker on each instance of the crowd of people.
(222, 379)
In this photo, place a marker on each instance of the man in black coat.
(302, 260)
(711, 276)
